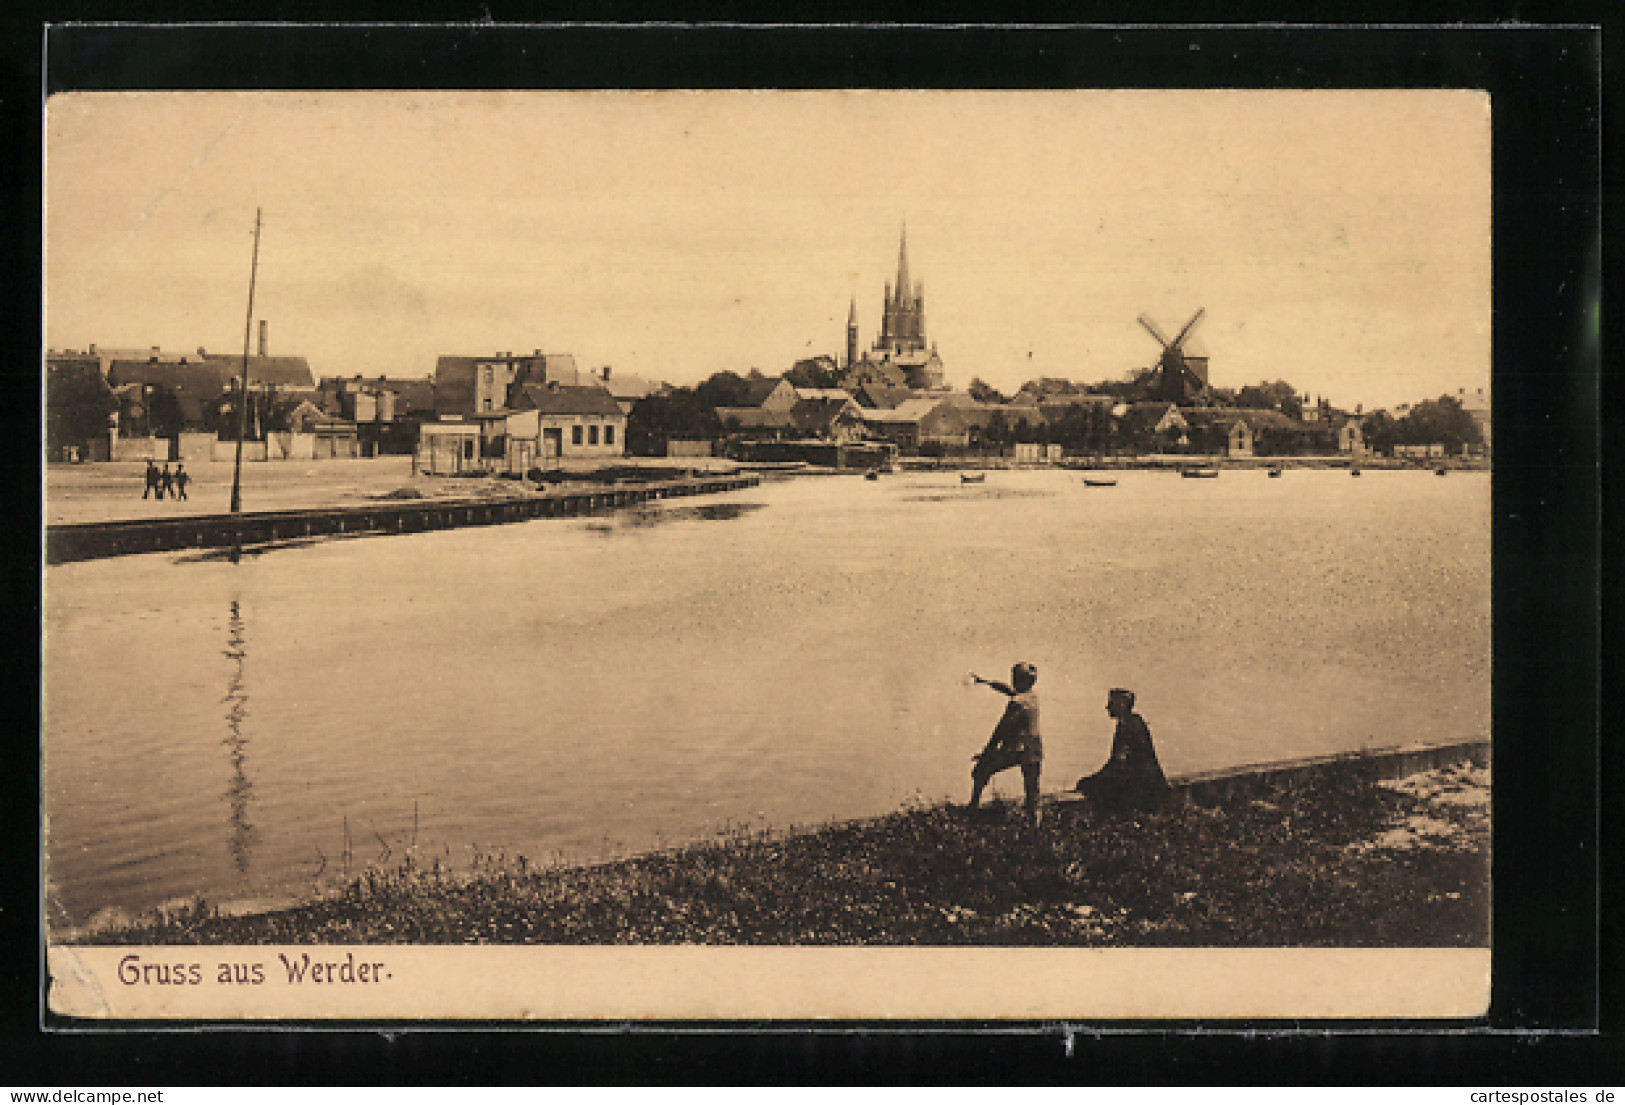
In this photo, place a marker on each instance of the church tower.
(852, 334)
(902, 323)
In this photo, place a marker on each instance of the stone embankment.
(91, 540)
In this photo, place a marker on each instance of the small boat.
(1091, 481)
(872, 474)
(1438, 471)
(1275, 473)
(1199, 473)
(1354, 471)
(972, 477)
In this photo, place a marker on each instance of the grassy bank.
(1309, 864)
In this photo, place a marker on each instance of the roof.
(757, 390)
(412, 394)
(1148, 415)
(911, 411)
(589, 399)
(292, 372)
(818, 415)
(557, 368)
(454, 375)
(195, 384)
(883, 396)
(1058, 407)
(628, 387)
(840, 394)
(757, 418)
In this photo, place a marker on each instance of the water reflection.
(647, 516)
(241, 835)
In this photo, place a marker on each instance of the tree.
(814, 372)
(1380, 431)
(724, 389)
(656, 419)
(1134, 388)
(997, 430)
(1047, 388)
(1440, 422)
(1080, 428)
(1271, 396)
(982, 393)
(164, 415)
(77, 405)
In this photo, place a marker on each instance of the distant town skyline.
(1337, 240)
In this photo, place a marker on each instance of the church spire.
(905, 290)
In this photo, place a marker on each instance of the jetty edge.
(72, 541)
(1387, 848)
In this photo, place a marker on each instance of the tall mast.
(242, 384)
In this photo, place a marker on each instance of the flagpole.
(242, 392)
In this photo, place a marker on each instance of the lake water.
(786, 655)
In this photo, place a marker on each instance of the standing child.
(1015, 741)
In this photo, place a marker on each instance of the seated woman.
(1132, 778)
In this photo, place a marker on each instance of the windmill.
(1176, 382)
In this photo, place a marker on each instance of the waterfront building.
(465, 385)
(559, 422)
(1477, 405)
(919, 422)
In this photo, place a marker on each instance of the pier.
(65, 543)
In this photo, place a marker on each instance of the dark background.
(1552, 1022)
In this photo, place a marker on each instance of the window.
(575, 435)
(592, 435)
(609, 435)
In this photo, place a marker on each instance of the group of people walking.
(166, 484)
(1132, 779)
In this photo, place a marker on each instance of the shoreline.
(1352, 852)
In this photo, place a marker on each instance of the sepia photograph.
(557, 555)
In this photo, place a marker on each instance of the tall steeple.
(852, 334)
(905, 290)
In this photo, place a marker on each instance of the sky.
(1338, 240)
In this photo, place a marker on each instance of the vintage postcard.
(984, 555)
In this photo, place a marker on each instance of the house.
(464, 385)
(1477, 406)
(919, 422)
(828, 394)
(199, 382)
(1149, 425)
(831, 417)
(387, 411)
(770, 394)
(313, 434)
(1031, 452)
(627, 390)
(1222, 430)
(776, 422)
(883, 396)
(448, 448)
(561, 422)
